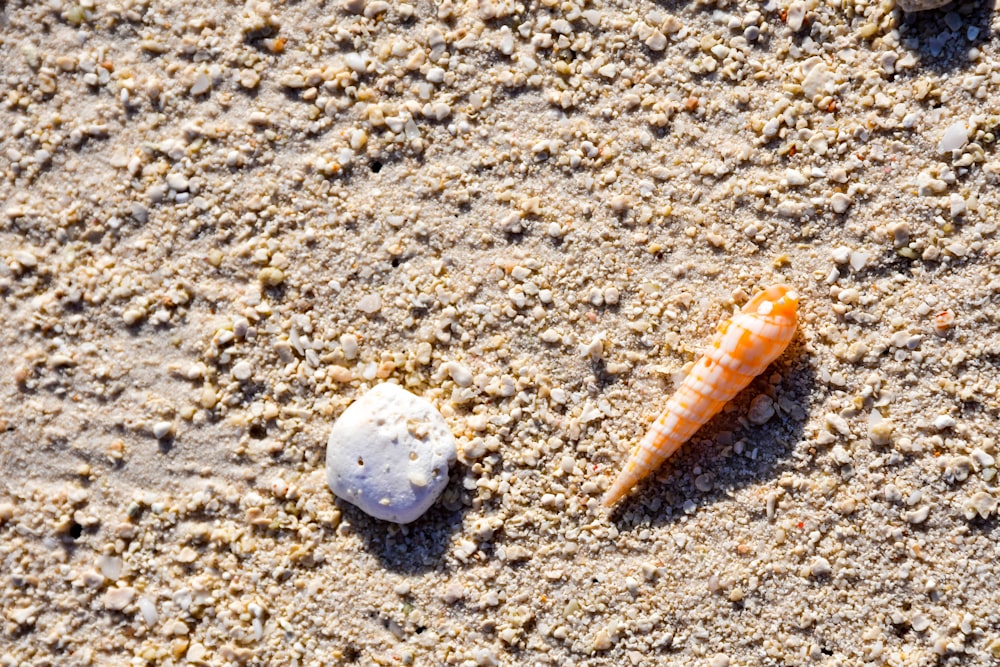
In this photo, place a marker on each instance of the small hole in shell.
(414, 456)
(361, 461)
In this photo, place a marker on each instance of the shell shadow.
(665, 497)
(942, 37)
(418, 546)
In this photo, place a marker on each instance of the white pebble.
(242, 371)
(836, 423)
(840, 202)
(356, 62)
(956, 205)
(794, 177)
(859, 260)
(551, 336)
(942, 422)
(594, 350)
(25, 258)
(370, 304)
(118, 598)
(656, 41)
(202, 84)
(388, 453)
(982, 504)
(982, 459)
(820, 567)
(795, 16)
(162, 429)
(148, 610)
(818, 80)
(841, 255)
(349, 344)
(110, 566)
(849, 295)
(954, 138)
(376, 8)
(460, 374)
(177, 182)
(485, 657)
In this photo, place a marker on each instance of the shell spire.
(744, 345)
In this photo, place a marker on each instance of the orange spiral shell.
(742, 348)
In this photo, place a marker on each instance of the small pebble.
(196, 652)
(25, 258)
(162, 429)
(270, 276)
(454, 592)
(148, 610)
(841, 254)
(117, 599)
(795, 177)
(849, 295)
(349, 344)
(981, 503)
(820, 567)
(435, 75)
(981, 459)
(956, 205)
(389, 453)
(795, 15)
(370, 304)
(132, 316)
(703, 483)
(656, 41)
(837, 424)
(943, 422)
(955, 137)
(879, 429)
(242, 371)
(110, 566)
(178, 182)
(202, 84)
(761, 409)
(461, 375)
(859, 260)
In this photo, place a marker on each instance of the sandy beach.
(222, 223)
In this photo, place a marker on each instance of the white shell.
(389, 453)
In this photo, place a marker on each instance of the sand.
(221, 223)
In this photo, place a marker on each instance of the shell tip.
(614, 494)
